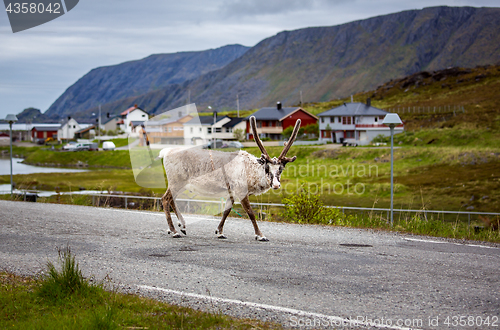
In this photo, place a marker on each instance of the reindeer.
(223, 174)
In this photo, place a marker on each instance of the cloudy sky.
(38, 64)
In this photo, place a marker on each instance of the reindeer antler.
(257, 139)
(289, 144)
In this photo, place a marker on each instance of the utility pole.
(238, 104)
(301, 98)
(99, 123)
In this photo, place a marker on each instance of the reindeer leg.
(245, 202)
(182, 223)
(168, 200)
(220, 228)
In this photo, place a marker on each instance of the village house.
(111, 123)
(271, 121)
(201, 129)
(131, 118)
(42, 133)
(167, 131)
(354, 123)
(69, 128)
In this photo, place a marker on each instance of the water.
(19, 168)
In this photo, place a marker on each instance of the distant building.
(111, 124)
(44, 132)
(271, 121)
(356, 123)
(86, 133)
(69, 128)
(201, 129)
(133, 117)
(167, 131)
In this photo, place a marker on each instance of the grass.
(64, 299)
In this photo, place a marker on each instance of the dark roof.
(354, 109)
(233, 122)
(205, 120)
(45, 128)
(137, 122)
(83, 130)
(272, 113)
(104, 122)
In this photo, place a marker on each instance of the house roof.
(233, 122)
(273, 113)
(83, 130)
(104, 122)
(205, 120)
(137, 123)
(45, 128)
(135, 107)
(354, 109)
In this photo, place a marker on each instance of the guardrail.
(96, 198)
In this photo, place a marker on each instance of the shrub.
(305, 207)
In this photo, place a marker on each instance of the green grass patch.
(64, 299)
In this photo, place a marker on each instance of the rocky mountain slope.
(323, 62)
(130, 79)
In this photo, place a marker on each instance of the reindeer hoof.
(176, 235)
(184, 231)
(261, 238)
(221, 236)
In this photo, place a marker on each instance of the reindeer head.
(274, 166)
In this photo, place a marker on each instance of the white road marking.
(335, 320)
(444, 242)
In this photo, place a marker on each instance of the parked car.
(70, 146)
(108, 145)
(234, 144)
(218, 144)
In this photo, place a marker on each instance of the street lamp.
(11, 119)
(392, 120)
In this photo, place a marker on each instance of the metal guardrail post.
(126, 204)
(468, 223)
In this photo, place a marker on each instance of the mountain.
(33, 115)
(111, 83)
(323, 62)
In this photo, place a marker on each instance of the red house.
(272, 121)
(44, 132)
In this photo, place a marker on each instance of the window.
(229, 129)
(376, 119)
(322, 119)
(218, 130)
(278, 124)
(209, 130)
(191, 130)
(259, 124)
(346, 120)
(144, 115)
(332, 119)
(170, 129)
(200, 129)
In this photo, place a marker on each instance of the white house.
(201, 129)
(131, 118)
(68, 129)
(356, 123)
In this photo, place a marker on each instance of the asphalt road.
(304, 274)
